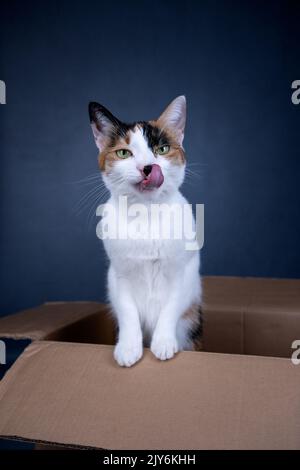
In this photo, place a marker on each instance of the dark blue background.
(234, 60)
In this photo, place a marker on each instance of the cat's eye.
(123, 153)
(163, 150)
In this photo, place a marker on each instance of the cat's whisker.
(93, 204)
(90, 178)
(190, 172)
(99, 183)
(90, 193)
(192, 178)
(197, 164)
(96, 203)
(87, 198)
(118, 180)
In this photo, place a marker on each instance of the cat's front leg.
(164, 344)
(129, 348)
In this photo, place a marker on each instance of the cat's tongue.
(154, 180)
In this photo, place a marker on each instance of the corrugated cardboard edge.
(47, 445)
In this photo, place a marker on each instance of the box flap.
(75, 394)
(251, 293)
(251, 315)
(41, 322)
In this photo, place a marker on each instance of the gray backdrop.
(234, 61)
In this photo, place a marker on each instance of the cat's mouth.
(153, 180)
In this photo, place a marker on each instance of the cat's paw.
(164, 347)
(127, 354)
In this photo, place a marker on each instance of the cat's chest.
(143, 234)
(134, 252)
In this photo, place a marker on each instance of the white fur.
(151, 283)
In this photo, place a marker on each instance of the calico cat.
(153, 284)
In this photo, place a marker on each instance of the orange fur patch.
(176, 154)
(108, 156)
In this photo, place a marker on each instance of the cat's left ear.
(174, 118)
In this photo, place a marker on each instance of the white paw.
(127, 354)
(164, 347)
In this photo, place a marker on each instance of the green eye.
(123, 153)
(163, 149)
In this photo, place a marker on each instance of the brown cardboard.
(76, 394)
(65, 392)
(59, 320)
(251, 315)
(241, 316)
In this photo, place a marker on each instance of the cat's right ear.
(103, 124)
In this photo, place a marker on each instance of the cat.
(153, 284)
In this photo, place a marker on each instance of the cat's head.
(145, 159)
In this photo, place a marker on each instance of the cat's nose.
(147, 169)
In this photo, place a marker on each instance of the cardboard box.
(242, 392)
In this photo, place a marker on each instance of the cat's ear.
(174, 117)
(103, 124)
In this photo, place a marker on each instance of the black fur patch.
(154, 136)
(97, 112)
(197, 331)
